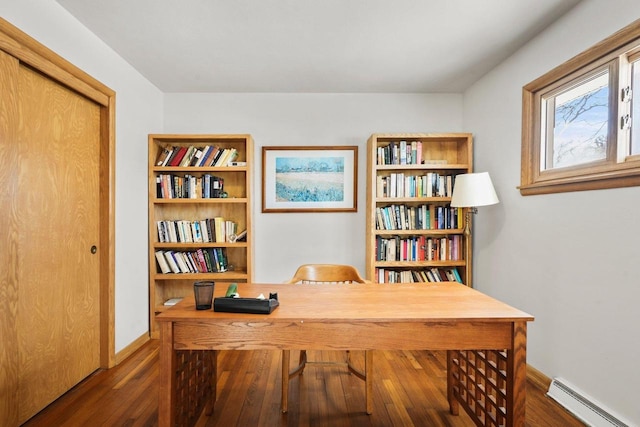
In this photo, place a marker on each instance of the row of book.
(420, 217)
(205, 260)
(172, 186)
(206, 156)
(419, 248)
(201, 231)
(449, 274)
(431, 184)
(400, 153)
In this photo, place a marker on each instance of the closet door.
(58, 258)
(57, 181)
(8, 234)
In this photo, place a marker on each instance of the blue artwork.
(309, 179)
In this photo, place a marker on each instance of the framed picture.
(309, 179)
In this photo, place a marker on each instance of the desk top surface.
(438, 302)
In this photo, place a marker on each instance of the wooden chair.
(327, 273)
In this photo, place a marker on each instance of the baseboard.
(538, 379)
(131, 348)
(584, 407)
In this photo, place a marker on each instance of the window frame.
(634, 58)
(619, 169)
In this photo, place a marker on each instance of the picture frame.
(309, 179)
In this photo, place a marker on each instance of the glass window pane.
(580, 116)
(635, 108)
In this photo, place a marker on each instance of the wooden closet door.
(57, 209)
(8, 232)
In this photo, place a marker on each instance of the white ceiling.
(413, 46)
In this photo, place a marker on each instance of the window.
(575, 122)
(578, 131)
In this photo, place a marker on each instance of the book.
(164, 154)
(216, 156)
(180, 228)
(228, 155)
(216, 260)
(220, 230)
(175, 161)
(158, 187)
(208, 261)
(172, 230)
(168, 255)
(162, 262)
(211, 230)
(174, 153)
(232, 156)
(189, 262)
(188, 156)
(230, 230)
(454, 270)
(162, 234)
(180, 261)
(201, 260)
(204, 231)
(450, 276)
(403, 152)
(203, 156)
(186, 256)
(197, 155)
(222, 259)
(213, 154)
(195, 263)
(197, 234)
(222, 159)
(217, 186)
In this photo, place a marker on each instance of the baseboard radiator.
(582, 406)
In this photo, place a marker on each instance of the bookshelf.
(412, 233)
(198, 211)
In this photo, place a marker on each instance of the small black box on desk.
(244, 305)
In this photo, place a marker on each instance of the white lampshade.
(473, 189)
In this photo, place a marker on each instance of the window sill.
(598, 181)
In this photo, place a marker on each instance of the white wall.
(284, 241)
(138, 112)
(569, 259)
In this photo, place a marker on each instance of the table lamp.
(471, 190)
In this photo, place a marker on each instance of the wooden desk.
(486, 340)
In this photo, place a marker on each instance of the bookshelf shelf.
(414, 200)
(169, 245)
(186, 198)
(220, 201)
(414, 264)
(422, 167)
(168, 169)
(227, 276)
(412, 233)
(418, 232)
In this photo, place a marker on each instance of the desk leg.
(208, 409)
(166, 401)
(454, 407)
(368, 369)
(284, 402)
(517, 376)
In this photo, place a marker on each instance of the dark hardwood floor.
(409, 389)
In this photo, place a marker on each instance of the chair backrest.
(327, 273)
